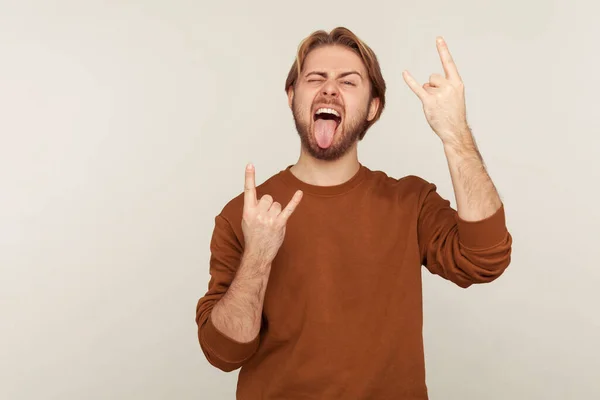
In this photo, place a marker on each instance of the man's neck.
(326, 173)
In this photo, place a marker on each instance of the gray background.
(125, 127)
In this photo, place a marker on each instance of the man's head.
(336, 92)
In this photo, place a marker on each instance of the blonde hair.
(342, 37)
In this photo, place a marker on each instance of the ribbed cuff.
(485, 233)
(226, 348)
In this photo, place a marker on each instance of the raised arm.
(471, 244)
(229, 316)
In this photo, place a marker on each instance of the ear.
(373, 108)
(290, 93)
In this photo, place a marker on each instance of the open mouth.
(326, 124)
(328, 114)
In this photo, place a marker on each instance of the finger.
(429, 89)
(275, 208)
(265, 203)
(436, 80)
(291, 206)
(250, 187)
(414, 86)
(447, 60)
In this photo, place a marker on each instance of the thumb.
(414, 85)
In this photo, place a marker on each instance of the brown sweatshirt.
(342, 316)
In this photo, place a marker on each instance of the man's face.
(331, 102)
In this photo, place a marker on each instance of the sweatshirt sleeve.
(220, 350)
(464, 252)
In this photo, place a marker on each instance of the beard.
(346, 135)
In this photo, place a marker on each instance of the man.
(321, 298)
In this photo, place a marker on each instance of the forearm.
(238, 314)
(476, 195)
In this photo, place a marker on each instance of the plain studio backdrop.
(125, 127)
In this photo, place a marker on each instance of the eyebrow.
(342, 75)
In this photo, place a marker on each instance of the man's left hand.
(443, 99)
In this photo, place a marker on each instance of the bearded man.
(322, 298)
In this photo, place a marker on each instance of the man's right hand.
(264, 221)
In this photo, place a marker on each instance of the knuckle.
(247, 214)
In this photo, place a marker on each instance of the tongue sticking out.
(324, 130)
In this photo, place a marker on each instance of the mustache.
(328, 102)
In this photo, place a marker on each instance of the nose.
(330, 89)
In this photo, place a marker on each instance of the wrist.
(255, 263)
(257, 255)
(460, 143)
